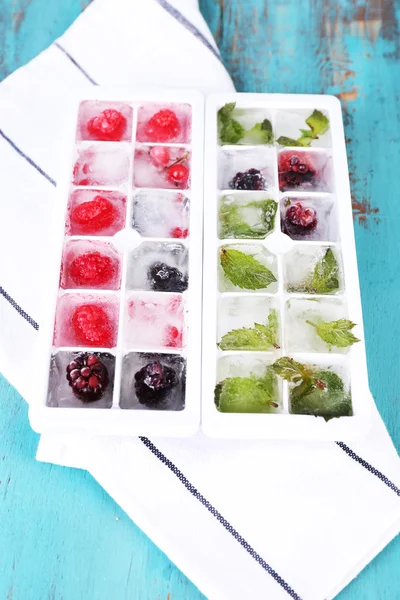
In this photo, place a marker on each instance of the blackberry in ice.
(88, 376)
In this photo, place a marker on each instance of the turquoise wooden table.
(61, 536)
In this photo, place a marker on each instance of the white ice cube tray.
(227, 307)
(118, 412)
(113, 415)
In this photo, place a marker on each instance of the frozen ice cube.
(155, 321)
(153, 381)
(89, 320)
(249, 267)
(237, 312)
(104, 121)
(300, 336)
(313, 270)
(305, 170)
(161, 214)
(95, 212)
(246, 384)
(164, 123)
(309, 219)
(90, 264)
(246, 215)
(158, 266)
(161, 167)
(246, 169)
(253, 121)
(288, 123)
(60, 393)
(101, 164)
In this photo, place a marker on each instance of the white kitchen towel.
(242, 519)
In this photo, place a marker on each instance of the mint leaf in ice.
(259, 337)
(248, 394)
(325, 278)
(261, 133)
(336, 333)
(244, 270)
(318, 124)
(230, 130)
(247, 221)
(286, 141)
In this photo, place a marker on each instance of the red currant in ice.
(92, 269)
(173, 337)
(300, 220)
(92, 326)
(95, 215)
(295, 171)
(178, 174)
(109, 125)
(179, 232)
(159, 156)
(163, 126)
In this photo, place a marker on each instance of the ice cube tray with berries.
(124, 334)
(283, 345)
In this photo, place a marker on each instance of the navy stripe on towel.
(219, 517)
(188, 25)
(19, 309)
(71, 58)
(369, 467)
(27, 158)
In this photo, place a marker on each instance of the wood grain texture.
(61, 536)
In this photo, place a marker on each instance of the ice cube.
(237, 312)
(246, 169)
(158, 266)
(160, 214)
(90, 264)
(249, 267)
(155, 321)
(313, 270)
(300, 336)
(104, 121)
(246, 384)
(89, 320)
(161, 167)
(95, 212)
(60, 392)
(246, 215)
(253, 120)
(288, 123)
(153, 381)
(305, 170)
(101, 164)
(164, 123)
(309, 218)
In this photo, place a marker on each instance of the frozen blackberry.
(164, 278)
(300, 220)
(88, 376)
(252, 179)
(152, 383)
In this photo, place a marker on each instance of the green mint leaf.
(246, 221)
(261, 133)
(325, 278)
(248, 394)
(230, 130)
(306, 138)
(259, 337)
(336, 333)
(244, 270)
(318, 123)
(328, 399)
(290, 370)
(287, 141)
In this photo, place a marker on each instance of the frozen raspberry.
(109, 125)
(178, 174)
(92, 326)
(179, 232)
(159, 156)
(249, 180)
(295, 171)
(88, 376)
(300, 220)
(95, 215)
(163, 126)
(153, 382)
(164, 278)
(173, 337)
(92, 269)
